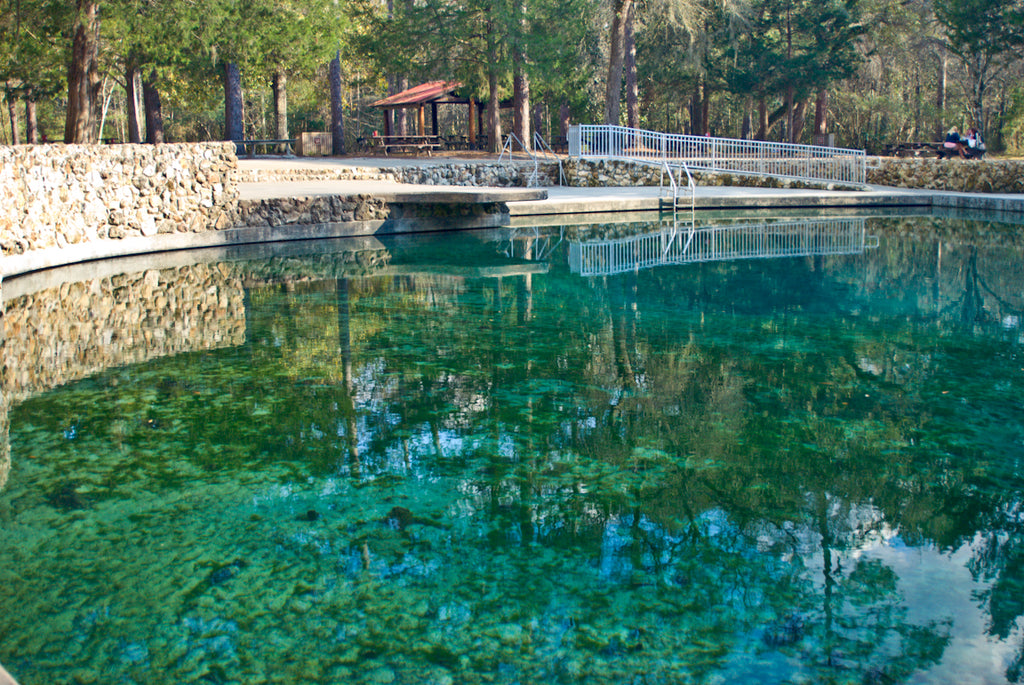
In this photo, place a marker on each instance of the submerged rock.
(66, 497)
(399, 518)
(309, 516)
(226, 572)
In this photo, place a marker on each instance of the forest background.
(869, 72)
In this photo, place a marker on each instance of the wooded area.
(872, 73)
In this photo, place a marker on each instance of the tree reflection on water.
(769, 470)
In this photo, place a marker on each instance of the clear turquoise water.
(446, 460)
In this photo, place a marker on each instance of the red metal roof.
(425, 92)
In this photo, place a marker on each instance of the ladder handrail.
(690, 184)
(534, 175)
(508, 146)
(539, 142)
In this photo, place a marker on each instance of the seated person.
(955, 142)
(975, 145)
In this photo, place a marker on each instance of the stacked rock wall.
(969, 176)
(59, 195)
(326, 172)
(616, 173)
(494, 174)
(491, 174)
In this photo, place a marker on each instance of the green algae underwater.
(456, 459)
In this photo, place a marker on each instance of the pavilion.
(433, 94)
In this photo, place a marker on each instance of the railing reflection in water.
(678, 243)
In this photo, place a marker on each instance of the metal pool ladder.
(538, 143)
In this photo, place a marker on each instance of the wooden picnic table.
(250, 146)
(426, 143)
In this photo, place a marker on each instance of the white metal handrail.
(831, 236)
(535, 175)
(728, 155)
(540, 144)
(666, 168)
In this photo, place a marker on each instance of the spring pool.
(757, 451)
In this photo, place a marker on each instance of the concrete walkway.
(561, 200)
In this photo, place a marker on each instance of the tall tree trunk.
(747, 125)
(821, 117)
(3, 126)
(632, 87)
(520, 83)
(762, 119)
(705, 110)
(233, 123)
(31, 123)
(563, 119)
(401, 115)
(493, 111)
(396, 84)
(280, 104)
(83, 75)
(389, 114)
(916, 133)
(521, 107)
(337, 114)
(799, 115)
(940, 102)
(790, 92)
(12, 112)
(133, 92)
(979, 86)
(494, 103)
(697, 127)
(154, 110)
(613, 87)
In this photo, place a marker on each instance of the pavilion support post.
(421, 121)
(389, 115)
(472, 122)
(433, 119)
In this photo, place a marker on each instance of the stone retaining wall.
(489, 174)
(314, 173)
(58, 195)
(579, 173)
(615, 173)
(961, 175)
